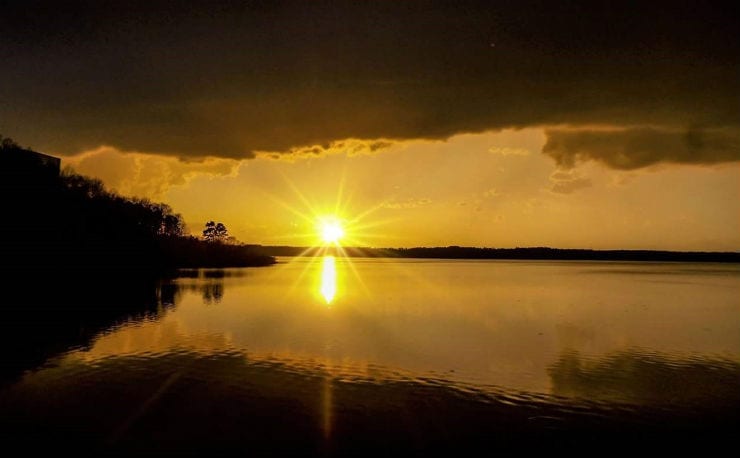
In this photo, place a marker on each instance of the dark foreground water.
(379, 357)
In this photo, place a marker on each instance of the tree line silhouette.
(68, 223)
(523, 253)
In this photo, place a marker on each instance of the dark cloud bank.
(231, 78)
(639, 147)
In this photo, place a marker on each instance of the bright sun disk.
(331, 231)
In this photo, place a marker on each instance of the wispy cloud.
(406, 203)
(507, 151)
(349, 146)
(568, 181)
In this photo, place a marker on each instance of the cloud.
(506, 151)
(397, 204)
(275, 77)
(475, 204)
(145, 175)
(349, 146)
(633, 148)
(490, 193)
(622, 178)
(566, 182)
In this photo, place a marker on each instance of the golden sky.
(490, 189)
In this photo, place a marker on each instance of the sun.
(331, 230)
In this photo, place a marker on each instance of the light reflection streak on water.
(328, 279)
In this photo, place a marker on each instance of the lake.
(338, 356)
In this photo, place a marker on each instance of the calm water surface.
(337, 356)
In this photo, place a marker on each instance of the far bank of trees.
(524, 253)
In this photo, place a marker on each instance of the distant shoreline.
(530, 253)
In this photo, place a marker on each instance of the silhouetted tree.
(172, 225)
(215, 232)
(7, 143)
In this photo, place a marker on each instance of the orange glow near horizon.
(492, 189)
(331, 223)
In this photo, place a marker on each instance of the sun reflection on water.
(328, 279)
